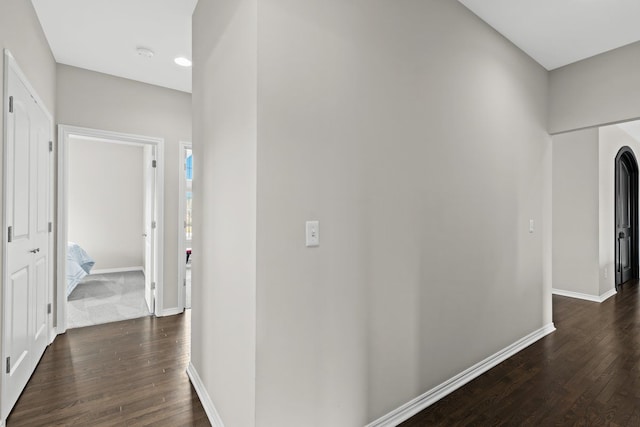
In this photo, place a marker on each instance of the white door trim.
(10, 63)
(64, 133)
(182, 245)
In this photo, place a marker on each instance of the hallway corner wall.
(575, 212)
(225, 147)
(424, 158)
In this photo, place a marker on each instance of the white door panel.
(18, 333)
(19, 129)
(41, 300)
(19, 289)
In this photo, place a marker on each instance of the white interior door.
(150, 222)
(26, 318)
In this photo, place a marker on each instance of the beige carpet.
(105, 298)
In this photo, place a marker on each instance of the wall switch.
(313, 233)
(606, 272)
(530, 226)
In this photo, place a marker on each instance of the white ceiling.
(102, 35)
(558, 32)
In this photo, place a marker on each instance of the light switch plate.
(313, 233)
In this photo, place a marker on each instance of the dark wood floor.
(133, 373)
(130, 373)
(585, 373)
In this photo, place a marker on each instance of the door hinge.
(153, 285)
(9, 365)
(154, 163)
(153, 224)
(50, 145)
(49, 308)
(50, 227)
(11, 104)
(10, 234)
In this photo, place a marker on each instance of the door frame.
(626, 154)
(64, 134)
(182, 241)
(10, 63)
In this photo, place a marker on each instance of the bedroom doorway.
(185, 223)
(111, 184)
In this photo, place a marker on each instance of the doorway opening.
(626, 216)
(185, 226)
(119, 228)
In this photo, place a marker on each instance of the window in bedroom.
(189, 165)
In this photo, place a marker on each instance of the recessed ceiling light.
(182, 61)
(143, 51)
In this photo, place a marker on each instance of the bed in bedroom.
(79, 264)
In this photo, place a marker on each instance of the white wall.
(600, 90)
(575, 212)
(106, 200)
(612, 139)
(417, 136)
(223, 343)
(94, 100)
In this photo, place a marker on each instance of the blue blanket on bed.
(79, 264)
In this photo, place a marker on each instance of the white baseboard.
(170, 312)
(117, 270)
(427, 399)
(205, 399)
(608, 294)
(586, 297)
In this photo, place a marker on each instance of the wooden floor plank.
(585, 373)
(130, 373)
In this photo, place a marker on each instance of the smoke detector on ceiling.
(143, 51)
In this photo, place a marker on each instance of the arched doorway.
(626, 216)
